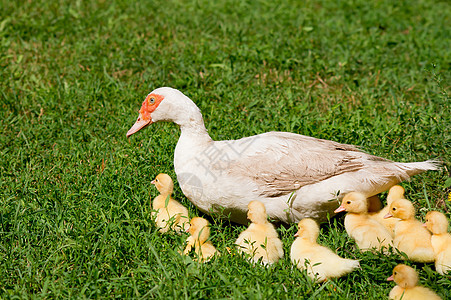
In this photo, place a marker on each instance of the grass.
(74, 192)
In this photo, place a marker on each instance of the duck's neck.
(194, 138)
(440, 234)
(193, 141)
(186, 114)
(160, 201)
(200, 239)
(194, 128)
(261, 223)
(308, 239)
(361, 214)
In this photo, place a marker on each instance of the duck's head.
(394, 193)
(199, 229)
(404, 276)
(402, 209)
(165, 104)
(256, 212)
(163, 183)
(353, 202)
(308, 229)
(436, 222)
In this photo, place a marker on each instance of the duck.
(320, 262)
(366, 231)
(407, 286)
(199, 231)
(437, 224)
(394, 193)
(410, 235)
(260, 240)
(168, 213)
(295, 176)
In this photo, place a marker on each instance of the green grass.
(74, 192)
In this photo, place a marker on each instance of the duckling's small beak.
(425, 225)
(139, 124)
(296, 234)
(153, 181)
(391, 278)
(340, 209)
(187, 229)
(389, 215)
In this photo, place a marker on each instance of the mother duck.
(295, 176)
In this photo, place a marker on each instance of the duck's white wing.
(280, 163)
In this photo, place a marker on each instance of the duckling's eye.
(152, 100)
(349, 202)
(157, 180)
(395, 273)
(394, 208)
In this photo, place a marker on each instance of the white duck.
(295, 176)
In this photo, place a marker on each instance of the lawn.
(74, 191)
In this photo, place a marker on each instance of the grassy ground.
(74, 192)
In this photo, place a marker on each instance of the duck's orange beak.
(389, 215)
(340, 209)
(391, 278)
(139, 124)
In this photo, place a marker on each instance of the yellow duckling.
(321, 263)
(366, 231)
(437, 223)
(168, 213)
(394, 193)
(406, 279)
(410, 236)
(260, 240)
(199, 231)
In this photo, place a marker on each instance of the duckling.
(322, 263)
(199, 231)
(410, 236)
(437, 223)
(394, 193)
(260, 240)
(366, 231)
(406, 279)
(168, 213)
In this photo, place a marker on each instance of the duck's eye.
(349, 202)
(157, 180)
(396, 273)
(394, 208)
(152, 100)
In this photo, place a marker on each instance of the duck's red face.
(149, 105)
